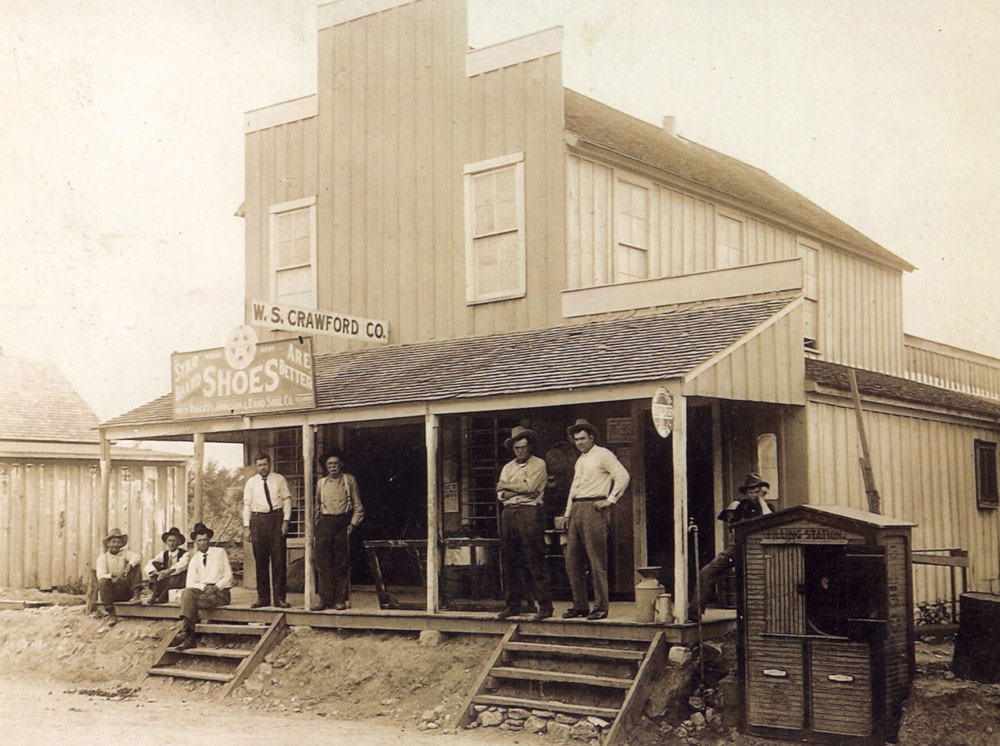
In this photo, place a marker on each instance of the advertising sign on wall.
(243, 377)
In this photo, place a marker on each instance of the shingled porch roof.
(599, 353)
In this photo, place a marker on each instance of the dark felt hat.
(753, 480)
(581, 425)
(201, 528)
(174, 531)
(520, 432)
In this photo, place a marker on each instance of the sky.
(121, 147)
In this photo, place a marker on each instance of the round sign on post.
(663, 412)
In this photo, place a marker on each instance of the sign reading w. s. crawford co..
(243, 377)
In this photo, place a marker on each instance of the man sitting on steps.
(209, 578)
(119, 575)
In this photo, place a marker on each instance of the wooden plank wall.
(47, 508)
(925, 472)
(860, 312)
(951, 367)
(860, 301)
(281, 166)
(767, 368)
(519, 109)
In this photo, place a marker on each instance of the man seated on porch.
(209, 578)
(119, 574)
(521, 490)
(168, 570)
(750, 505)
(599, 479)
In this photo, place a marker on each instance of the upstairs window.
(631, 261)
(728, 242)
(494, 229)
(293, 252)
(986, 474)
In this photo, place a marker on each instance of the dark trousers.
(711, 573)
(161, 588)
(333, 557)
(268, 554)
(522, 536)
(120, 589)
(587, 535)
(193, 599)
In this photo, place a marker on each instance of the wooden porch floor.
(365, 614)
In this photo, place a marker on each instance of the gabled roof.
(38, 403)
(598, 353)
(892, 387)
(604, 126)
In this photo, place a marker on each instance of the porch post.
(717, 486)
(307, 509)
(680, 505)
(101, 516)
(199, 468)
(431, 442)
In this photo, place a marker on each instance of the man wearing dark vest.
(167, 570)
(750, 505)
(267, 510)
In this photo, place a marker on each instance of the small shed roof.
(607, 127)
(597, 353)
(38, 403)
(893, 387)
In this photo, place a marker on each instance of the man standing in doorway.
(340, 512)
(267, 510)
(599, 479)
(521, 490)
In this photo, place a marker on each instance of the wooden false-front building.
(55, 499)
(825, 624)
(533, 256)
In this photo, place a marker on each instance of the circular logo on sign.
(241, 346)
(663, 412)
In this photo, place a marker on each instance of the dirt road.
(36, 712)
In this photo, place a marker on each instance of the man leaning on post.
(267, 510)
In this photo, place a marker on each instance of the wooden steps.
(608, 679)
(224, 652)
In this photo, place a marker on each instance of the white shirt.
(215, 571)
(531, 476)
(175, 564)
(598, 473)
(109, 564)
(255, 501)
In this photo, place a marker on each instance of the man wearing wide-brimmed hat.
(750, 505)
(209, 578)
(521, 490)
(168, 570)
(119, 575)
(599, 479)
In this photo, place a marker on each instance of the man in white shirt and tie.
(209, 578)
(267, 510)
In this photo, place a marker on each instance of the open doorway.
(390, 465)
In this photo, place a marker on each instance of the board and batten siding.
(925, 472)
(860, 312)
(48, 510)
(519, 109)
(281, 167)
(860, 302)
